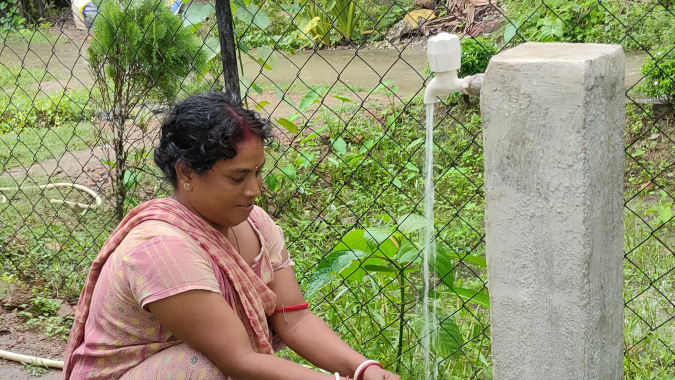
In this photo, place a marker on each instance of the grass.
(36, 145)
(34, 370)
(649, 290)
(12, 75)
(52, 247)
(300, 88)
(29, 108)
(30, 35)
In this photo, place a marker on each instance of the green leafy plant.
(45, 306)
(22, 109)
(10, 15)
(35, 370)
(393, 251)
(659, 72)
(140, 49)
(476, 54)
(590, 21)
(340, 15)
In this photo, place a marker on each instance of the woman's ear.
(184, 172)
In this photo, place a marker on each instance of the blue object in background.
(174, 5)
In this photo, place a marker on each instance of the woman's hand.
(377, 373)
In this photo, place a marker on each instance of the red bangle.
(284, 309)
(366, 366)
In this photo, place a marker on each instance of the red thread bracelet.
(284, 309)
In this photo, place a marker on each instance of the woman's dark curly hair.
(203, 129)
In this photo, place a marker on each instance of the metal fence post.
(553, 117)
(228, 49)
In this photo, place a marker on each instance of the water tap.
(445, 59)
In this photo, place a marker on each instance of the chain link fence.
(342, 83)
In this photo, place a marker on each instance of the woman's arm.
(310, 337)
(207, 323)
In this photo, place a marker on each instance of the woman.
(200, 285)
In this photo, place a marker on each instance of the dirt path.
(18, 338)
(85, 168)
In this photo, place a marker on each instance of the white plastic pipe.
(76, 206)
(31, 359)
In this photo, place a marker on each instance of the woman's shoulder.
(153, 231)
(264, 223)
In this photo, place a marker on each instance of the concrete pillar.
(553, 118)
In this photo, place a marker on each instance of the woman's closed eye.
(238, 180)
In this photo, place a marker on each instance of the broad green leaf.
(381, 240)
(480, 261)
(408, 252)
(196, 13)
(288, 125)
(342, 98)
(443, 250)
(410, 223)
(257, 88)
(357, 271)
(415, 143)
(410, 166)
(311, 24)
(510, 32)
(245, 82)
(290, 172)
(330, 267)
(396, 182)
(251, 14)
(552, 29)
(380, 268)
(213, 50)
(448, 339)
(353, 240)
(329, 6)
(283, 97)
(383, 85)
(261, 105)
(340, 146)
(272, 183)
(268, 58)
(309, 99)
(479, 298)
(443, 268)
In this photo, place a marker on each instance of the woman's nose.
(252, 188)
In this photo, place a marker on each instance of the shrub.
(140, 49)
(22, 109)
(659, 72)
(476, 54)
(647, 25)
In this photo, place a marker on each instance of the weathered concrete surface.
(553, 117)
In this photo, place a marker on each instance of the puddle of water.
(362, 69)
(65, 61)
(634, 61)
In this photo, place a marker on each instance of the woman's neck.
(222, 229)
